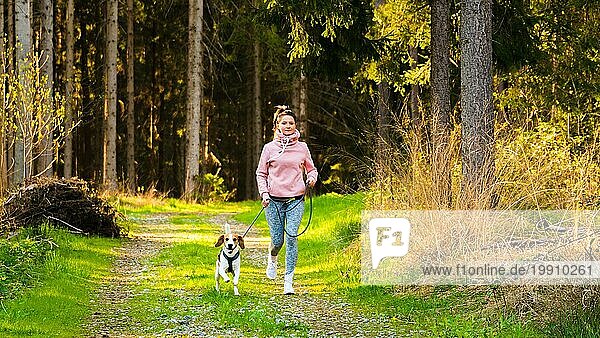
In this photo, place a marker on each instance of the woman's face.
(287, 125)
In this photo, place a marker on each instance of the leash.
(306, 191)
(253, 221)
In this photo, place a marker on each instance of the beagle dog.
(228, 259)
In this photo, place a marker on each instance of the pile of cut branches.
(68, 203)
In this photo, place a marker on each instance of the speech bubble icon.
(389, 238)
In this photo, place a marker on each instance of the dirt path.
(110, 313)
(324, 315)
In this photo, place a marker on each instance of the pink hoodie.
(281, 165)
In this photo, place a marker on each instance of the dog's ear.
(220, 241)
(241, 241)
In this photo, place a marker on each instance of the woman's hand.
(311, 182)
(265, 200)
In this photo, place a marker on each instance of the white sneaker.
(272, 267)
(288, 280)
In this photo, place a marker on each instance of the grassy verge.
(56, 303)
(20, 261)
(443, 311)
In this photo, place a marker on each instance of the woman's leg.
(275, 221)
(293, 219)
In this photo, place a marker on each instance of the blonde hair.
(282, 111)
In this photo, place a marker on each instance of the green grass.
(444, 311)
(178, 285)
(580, 323)
(326, 262)
(20, 261)
(58, 302)
(134, 207)
(329, 263)
(180, 281)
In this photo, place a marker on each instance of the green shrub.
(213, 189)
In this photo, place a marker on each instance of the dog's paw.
(227, 280)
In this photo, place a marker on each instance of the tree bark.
(256, 122)
(10, 16)
(10, 59)
(303, 108)
(4, 117)
(192, 165)
(382, 165)
(300, 99)
(440, 103)
(69, 100)
(131, 175)
(110, 112)
(23, 47)
(44, 161)
(477, 146)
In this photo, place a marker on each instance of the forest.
(177, 97)
(131, 131)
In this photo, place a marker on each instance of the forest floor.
(156, 288)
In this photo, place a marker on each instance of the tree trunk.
(256, 135)
(192, 166)
(82, 162)
(303, 108)
(257, 120)
(4, 117)
(191, 133)
(204, 116)
(131, 175)
(10, 59)
(10, 16)
(296, 88)
(69, 100)
(154, 112)
(110, 112)
(382, 165)
(477, 114)
(300, 100)
(440, 103)
(44, 161)
(23, 42)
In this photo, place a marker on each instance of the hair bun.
(281, 108)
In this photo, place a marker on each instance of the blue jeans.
(288, 214)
